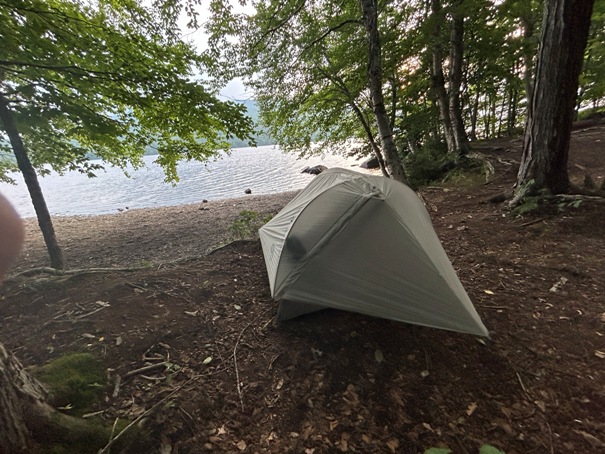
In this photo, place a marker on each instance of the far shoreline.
(144, 236)
(253, 198)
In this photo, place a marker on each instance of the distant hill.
(261, 136)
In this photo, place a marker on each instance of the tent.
(363, 243)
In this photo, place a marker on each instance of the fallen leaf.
(599, 354)
(489, 292)
(471, 408)
(294, 435)
(119, 341)
(378, 356)
(424, 373)
(237, 307)
(221, 430)
(241, 445)
(207, 360)
(594, 441)
(333, 425)
(541, 405)
(393, 444)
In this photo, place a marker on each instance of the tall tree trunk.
(455, 82)
(548, 129)
(370, 20)
(529, 25)
(474, 115)
(33, 186)
(438, 79)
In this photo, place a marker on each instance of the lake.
(263, 170)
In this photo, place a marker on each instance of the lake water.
(264, 170)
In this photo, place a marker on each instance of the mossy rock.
(75, 382)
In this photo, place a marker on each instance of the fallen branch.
(69, 273)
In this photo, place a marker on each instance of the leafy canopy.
(109, 78)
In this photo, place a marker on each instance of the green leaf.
(438, 451)
(489, 449)
(378, 356)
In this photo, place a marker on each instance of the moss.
(75, 382)
(69, 435)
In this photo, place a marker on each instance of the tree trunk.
(21, 404)
(392, 160)
(474, 115)
(548, 129)
(455, 82)
(370, 136)
(438, 79)
(27, 420)
(33, 186)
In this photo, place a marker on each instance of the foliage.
(75, 381)
(111, 79)
(306, 63)
(247, 224)
(429, 164)
(484, 449)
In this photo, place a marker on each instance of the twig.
(552, 448)
(145, 369)
(89, 313)
(112, 439)
(90, 415)
(521, 383)
(239, 385)
(535, 221)
(116, 388)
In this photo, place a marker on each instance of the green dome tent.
(363, 243)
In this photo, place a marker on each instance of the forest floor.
(334, 381)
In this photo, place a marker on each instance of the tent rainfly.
(363, 243)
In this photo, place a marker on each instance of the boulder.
(315, 170)
(370, 163)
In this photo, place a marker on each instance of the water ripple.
(263, 170)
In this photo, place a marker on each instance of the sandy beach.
(141, 237)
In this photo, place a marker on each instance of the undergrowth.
(247, 225)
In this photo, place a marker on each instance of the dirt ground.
(202, 325)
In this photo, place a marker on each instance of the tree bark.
(455, 82)
(21, 404)
(392, 160)
(438, 79)
(565, 30)
(33, 186)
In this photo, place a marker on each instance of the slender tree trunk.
(392, 160)
(528, 55)
(474, 115)
(455, 82)
(370, 136)
(33, 186)
(548, 129)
